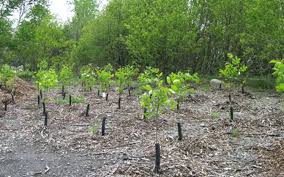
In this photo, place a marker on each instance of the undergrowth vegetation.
(7, 77)
(234, 71)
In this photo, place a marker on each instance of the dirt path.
(252, 145)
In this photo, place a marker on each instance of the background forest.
(172, 35)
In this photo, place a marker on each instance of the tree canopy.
(171, 35)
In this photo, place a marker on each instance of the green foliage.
(159, 32)
(61, 101)
(87, 76)
(7, 7)
(279, 74)
(66, 75)
(46, 78)
(121, 78)
(42, 65)
(214, 114)
(180, 84)
(104, 76)
(102, 40)
(234, 70)
(108, 68)
(93, 129)
(235, 132)
(7, 76)
(151, 76)
(40, 36)
(261, 82)
(157, 100)
(170, 35)
(124, 77)
(27, 75)
(131, 73)
(78, 99)
(75, 100)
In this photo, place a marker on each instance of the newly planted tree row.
(156, 96)
(167, 42)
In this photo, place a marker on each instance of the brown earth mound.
(22, 88)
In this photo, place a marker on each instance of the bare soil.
(251, 145)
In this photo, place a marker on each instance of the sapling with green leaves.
(181, 85)
(234, 71)
(46, 78)
(157, 100)
(108, 68)
(104, 76)
(7, 77)
(121, 81)
(131, 73)
(124, 78)
(65, 76)
(93, 128)
(87, 76)
(151, 76)
(279, 75)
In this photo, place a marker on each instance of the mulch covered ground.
(251, 145)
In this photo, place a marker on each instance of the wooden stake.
(178, 105)
(103, 126)
(5, 105)
(179, 131)
(119, 100)
(62, 90)
(158, 158)
(231, 113)
(87, 110)
(45, 118)
(70, 100)
(38, 100)
(43, 107)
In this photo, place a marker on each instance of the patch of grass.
(60, 101)
(215, 115)
(235, 132)
(78, 99)
(26, 75)
(264, 82)
(75, 100)
(93, 129)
